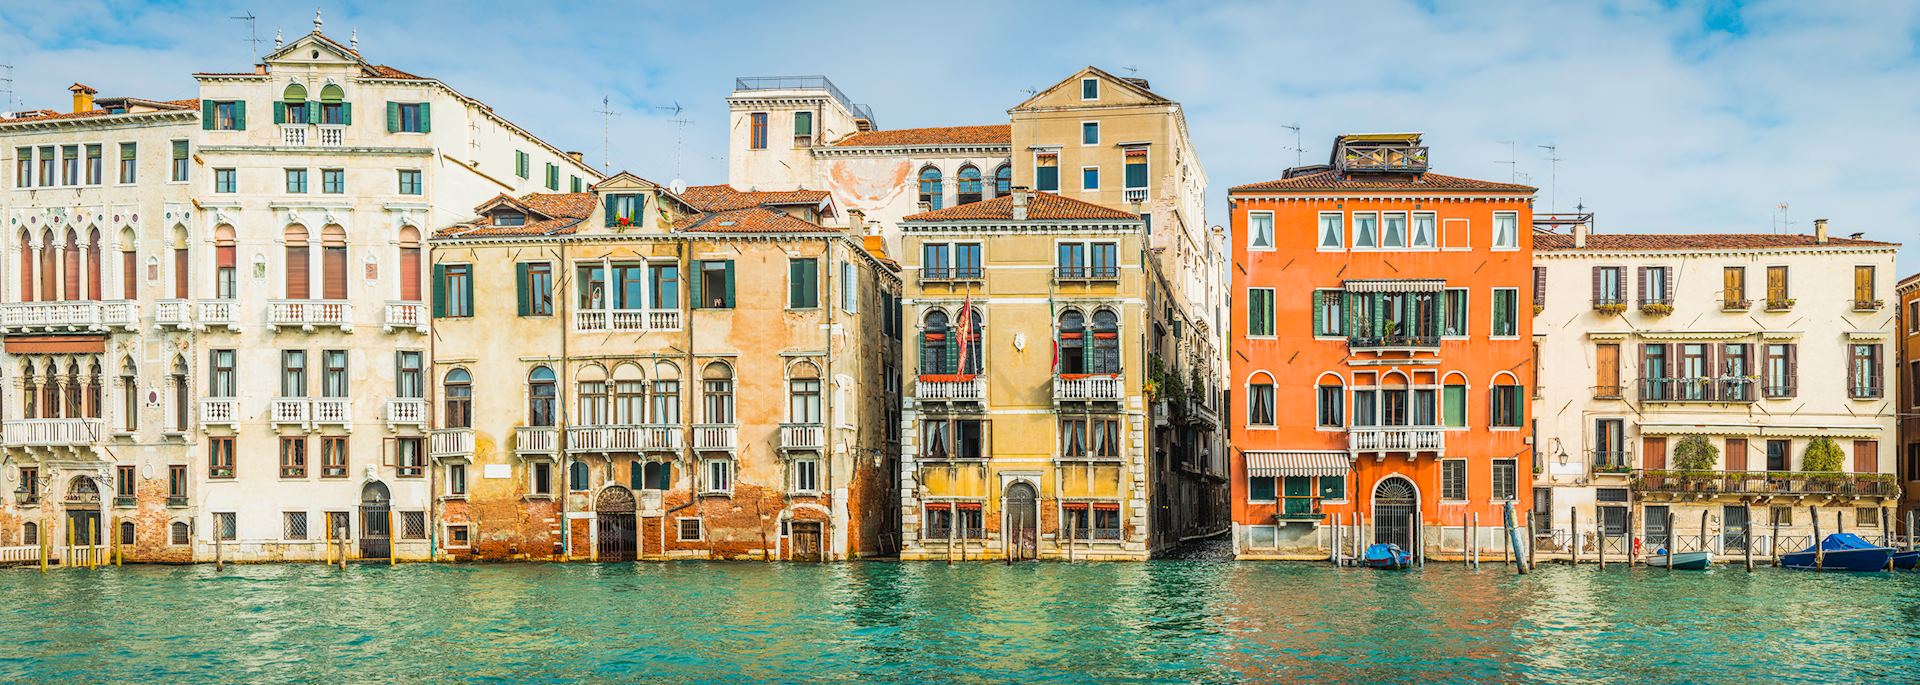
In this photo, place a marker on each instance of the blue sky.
(1668, 116)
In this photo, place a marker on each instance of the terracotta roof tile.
(384, 71)
(565, 212)
(52, 115)
(1558, 242)
(1331, 179)
(748, 220)
(996, 134)
(1041, 206)
(722, 197)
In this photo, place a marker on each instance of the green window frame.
(1506, 321)
(1453, 405)
(1333, 487)
(533, 288)
(1261, 488)
(223, 115)
(708, 276)
(409, 117)
(452, 291)
(553, 176)
(1454, 306)
(1299, 492)
(1260, 312)
(522, 163)
(803, 283)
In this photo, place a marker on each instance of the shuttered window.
(1606, 362)
(180, 273)
(1733, 288)
(1453, 403)
(533, 287)
(129, 277)
(522, 164)
(1260, 311)
(333, 260)
(1776, 286)
(1453, 479)
(410, 274)
(1539, 288)
(1863, 296)
(712, 285)
(1046, 172)
(298, 287)
(452, 290)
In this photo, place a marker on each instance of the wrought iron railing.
(1723, 389)
(1764, 483)
(1368, 342)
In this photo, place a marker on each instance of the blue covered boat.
(1906, 561)
(1681, 561)
(1840, 552)
(1386, 555)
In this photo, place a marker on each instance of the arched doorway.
(376, 508)
(1023, 521)
(1396, 506)
(83, 511)
(618, 538)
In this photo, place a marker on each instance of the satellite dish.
(678, 185)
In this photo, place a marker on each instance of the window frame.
(1465, 480)
(1086, 127)
(1493, 314)
(1494, 232)
(1272, 326)
(1320, 232)
(1253, 235)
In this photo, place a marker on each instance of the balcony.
(293, 135)
(332, 136)
(50, 317)
(310, 314)
(629, 438)
(592, 320)
(121, 314)
(404, 411)
(1088, 388)
(1393, 342)
(219, 411)
(1134, 196)
(1609, 461)
(1074, 273)
(53, 433)
(950, 388)
(1726, 389)
(175, 314)
(1196, 411)
(405, 315)
(450, 443)
(971, 273)
(535, 441)
(1396, 439)
(716, 436)
(1865, 389)
(292, 411)
(803, 436)
(219, 313)
(1791, 483)
(333, 411)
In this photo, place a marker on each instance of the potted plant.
(1696, 458)
(1610, 308)
(1822, 461)
(1656, 308)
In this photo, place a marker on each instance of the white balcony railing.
(214, 313)
(72, 433)
(803, 436)
(451, 443)
(1089, 388)
(173, 314)
(332, 136)
(409, 315)
(333, 411)
(1133, 196)
(534, 440)
(641, 438)
(122, 314)
(292, 411)
(626, 320)
(950, 389)
(219, 411)
(295, 134)
(310, 314)
(716, 436)
(27, 317)
(405, 411)
(1396, 439)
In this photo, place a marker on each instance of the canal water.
(1164, 621)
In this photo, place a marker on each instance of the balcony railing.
(1089, 388)
(716, 436)
(1195, 409)
(1865, 389)
(1086, 273)
(310, 314)
(630, 438)
(1610, 461)
(1133, 196)
(450, 443)
(1397, 341)
(176, 314)
(332, 136)
(950, 388)
(1397, 439)
(295, 134)
(1728, 389)
(219, 411)
(218, 313)
(333, 411)
(535, 440)
(122, 314)
(406, 411)
(626, 320)
(1765, 483)
(292, 411)
(803, 436)
(944, 274)
(70, 433)
(28, 317)
(405, 315)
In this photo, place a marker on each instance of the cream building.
(1757, 344)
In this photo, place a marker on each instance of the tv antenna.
(1512, 161)
(6, 87)
(606, 133)
(1782, 226)
(1299, 153)
(1553, 160)
(1132, 71)
(675, 108)
(253, 33)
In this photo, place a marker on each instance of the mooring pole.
(1517, 553)
(1573, 535)
(1819, 550)
(1746, 550)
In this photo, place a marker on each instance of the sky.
(1665, 116)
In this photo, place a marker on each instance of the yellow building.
(1027, 433)
(631, 372)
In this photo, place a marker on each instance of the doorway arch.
(618, 538)
(1023, 521)
(1396, 508)
(376, 511)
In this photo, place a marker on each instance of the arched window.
(129, 396)
(541, 392)
(969, 181)
(293, 107)
(803, 393)
(409, 264)
(458, 391)
(629, 395)
(179, 533)
(76, 395)
(577, 476)
(594, 396)
(930, 194)
(665, 407)
(126, 533)
(93, 389)
(29, 397)
(49, 288)
(1106, 342)
(1331, 402)
(656, 475)
(934, 344)
(182, 264)
(1260, 399)
(1003, 180)
(50, 391)
(71, 284)
(333, 262)
(26, 266)
(226, 274)
(182, 395)
(93, 265)
(333, 108)
(1073, 343)
(129, 267)
(30, 533)
(717, 393)
(298, 287)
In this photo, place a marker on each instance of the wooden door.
(805, 542)
(1736, 454)
(1606, 365)
(1653, 454)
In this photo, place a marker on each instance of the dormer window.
(509, 219)
(623, 209)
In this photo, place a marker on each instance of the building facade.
(630, 373)
(1381, 353)
(1907, 396)
(1712, 391)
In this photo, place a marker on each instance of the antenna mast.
(6, 86)
(1298, 152)
(253, 34)
(1553, 190)
(1512, 161)
(606, 133)
(679, 132)
(1784, 225)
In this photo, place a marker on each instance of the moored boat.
(1681, 561)
(1906, 561)
(1840, 552)
(1386, 555)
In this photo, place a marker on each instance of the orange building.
(1382, 341)
(1907, 404)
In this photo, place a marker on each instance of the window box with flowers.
(1656, 308)
(1779, 305)
(1868, 305)
(1610, 307)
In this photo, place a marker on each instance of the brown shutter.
(93, 270)
(1596, 284)
(1607, 359)
(48, 286)
(1539, 286)
(1643, 284)
(1653, 454)
(1667, 291)
(297, 287)
(129, 275)
(26, 269)
(72, 276)
(1736, 454)
(224, 257)
(1866, 456)
(334, 265)
(180, 273)
(410, 274)
(1792, 380)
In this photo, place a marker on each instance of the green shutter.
(1453, 399)
(520, 278)
(728, 295)
(313, 112)
(1379, 313)
(279, 112)
(346, 113)
(393, 117)
(426, 117)
(239, 115)
(610, 219)
(693, 288)
(439, 291)
(793, 284)
(206, 115)
(1346, 313)
(1314, 304)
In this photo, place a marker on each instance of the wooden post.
(40, 537)
(1704, 547)
(1419, 539)
(66, 559)
(1529, 560)
(219, 563)
(1573, 534)
(1773, 543)
(1600, 536)
(393, 541)
(341, 533)
(114, 525)
(1630, 538)
(1515, 552)
(1747, 549)
(1819, 551)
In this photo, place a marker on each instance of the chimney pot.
(82, 97)
(1820, 231)
(1580, 234)
(577, 156)
(856, 221)
(1021, 195)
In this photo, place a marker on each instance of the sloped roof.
(1557, 242)
(562, 212)
(995, 134)
(721, 197)
(748, 220)
(1332, 179)
(1041, 206)
(51, 115)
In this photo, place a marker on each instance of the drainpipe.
(826, 401)
(427, 369)
(559, 397)
(681, 255)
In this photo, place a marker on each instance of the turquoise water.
(1167, 621)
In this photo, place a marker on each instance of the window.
(223, 115)
(293, 525)
(1506, 231)
(1777, 293)
(176, 483)
(1261, 489)
(540, 478)
(802, 129)
(70, 165)
(1333, 230)
(23, 167)
(293, 457)
(713, 285)
(129, 162)
(1734, 288)
(553, 176)
(1393, 230)
(46, 166)
(1423, 233)
(333, 456)
(409, 117)
(1656, 285)
(453, 290)
(579, 477)
(1508, 410)
(409, 182)
(225, 181)
(1863, 293)
(1778, 378)
(717, 394)
(666, 401)
(123, 481)
(1453, 479)
(970, 189)
(1002, 180)
(224, 525)
(456, 479)
(178, 533)
(1863, 371)
(222, 381)
(574, 184)
(718, 476)
(409, 375)
(1090, 178)
(806, 475)
(1506, 479)
(1046, 171)
(1539, 288)
(333, 379)
(1506, 320)
(666, 286)
(849, 288)
(293, 373)
(541, 396)
(930, 192)
(522, 164)
(1609, 286)
(757, 131)
(1606, 367)
(1366, 227)
(803, 283)
(458, 391)
(1777, 455)
(1260, 311)
(1260, 404)
(178, 163)
(410, 456)
(623, 209)
(535, 287)
(1089, 89)
(689, 530)
(296, 180)
(1332, 408)
(1453, 313)
(803, 401)
(1090, 133)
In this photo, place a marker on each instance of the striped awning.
(1761, 431)
(1297, 463)
(1395, 285)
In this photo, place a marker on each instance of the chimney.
(856, 221)
(1820, 231)
(577, 156)
(1021, 194)
(82, 97)
(1580, 234)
